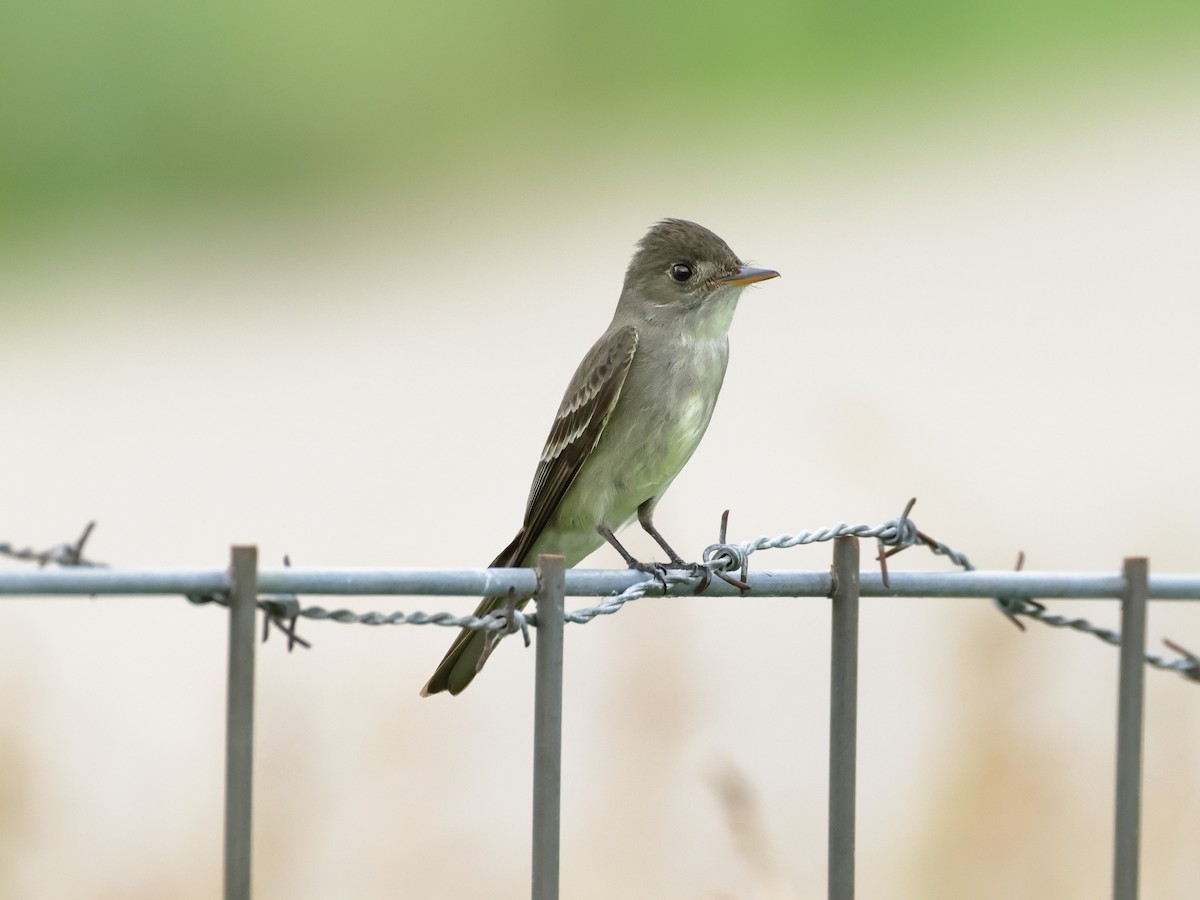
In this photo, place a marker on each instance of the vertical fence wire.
(239, 721)
(547, 726)
(1131, 692)
(843, 718)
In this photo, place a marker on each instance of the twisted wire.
(719, 560)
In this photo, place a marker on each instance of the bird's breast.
(662, 413)
(666, 412)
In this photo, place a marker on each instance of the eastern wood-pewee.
(632, 415)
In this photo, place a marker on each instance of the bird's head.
(683, 268)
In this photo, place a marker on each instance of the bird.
(631, 417)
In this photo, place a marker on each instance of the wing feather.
(585, 410)
(582, 415)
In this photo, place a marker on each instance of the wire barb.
(1188, 665)
(59, 555)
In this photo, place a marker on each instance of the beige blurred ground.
(998, 316)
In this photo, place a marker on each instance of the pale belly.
(647, 441)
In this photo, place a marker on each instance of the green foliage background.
(129, 98)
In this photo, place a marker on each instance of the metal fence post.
(843, 718)
(239, 721)
(547, 726)
(1131, 690)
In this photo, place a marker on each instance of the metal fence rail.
(582, 583)
(276, 591)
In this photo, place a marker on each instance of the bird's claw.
(699, 573)
(657, 571)
(694, 571)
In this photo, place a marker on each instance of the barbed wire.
(59, 555)
(719, 560)
(285, 609)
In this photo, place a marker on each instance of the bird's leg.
(696, 570)
(606, 533)
(646, 520)
(656, 569)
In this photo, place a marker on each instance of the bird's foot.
(697, 572)
(656, 570)
(661, 572)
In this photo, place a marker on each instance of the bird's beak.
(746, 275)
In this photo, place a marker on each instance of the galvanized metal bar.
(66, 582)
(1131, 692)
(581, 583)
(547, 726)
(239, 721)
(843, 718)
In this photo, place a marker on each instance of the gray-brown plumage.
(631, 417)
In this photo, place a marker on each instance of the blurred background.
(279, 273)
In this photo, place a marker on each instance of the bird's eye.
(681, 272)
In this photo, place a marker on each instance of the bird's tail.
(465, 656)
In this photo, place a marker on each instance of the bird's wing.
(586, 406)
(588, 402)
